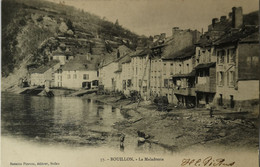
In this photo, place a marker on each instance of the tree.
(70, 25)
(117, 23)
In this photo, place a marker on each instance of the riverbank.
(181, 128)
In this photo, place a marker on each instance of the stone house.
(110, 69)
(78, 73)
(205, 67)
(238, 68)
(184, 77)
(63, 57)
(126, 76)
(44, 75)
(162, 61)
(140, 64)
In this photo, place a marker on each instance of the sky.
(151, 17)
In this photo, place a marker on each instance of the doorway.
(232, 103)
(220, 100)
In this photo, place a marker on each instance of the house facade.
(126, 77)
(80, 78)
(77, 73)
(163, 65)
(237, 69)
(62, 57)
(184, 77)
(108, 76)
(205, 67)
(111, 67)
(140, 64)
(44, 75)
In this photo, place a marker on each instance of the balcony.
(185, 91)
(205, 84)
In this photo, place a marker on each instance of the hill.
(33, 30)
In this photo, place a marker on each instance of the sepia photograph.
(135, 83)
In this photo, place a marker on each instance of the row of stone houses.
(76, 72)
(189, 68)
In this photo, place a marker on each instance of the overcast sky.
(151, 17)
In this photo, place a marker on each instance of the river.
(68, 121)
(71, 131)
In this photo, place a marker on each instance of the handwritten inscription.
(208, 161)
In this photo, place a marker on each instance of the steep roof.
(42, 69)
(181, 54)
(176, 44)
(238, 35)
(222, 26)
(204, 41)
(205, 65)
(141, 52)
(80, 63)
(111, 57)
(251, 38)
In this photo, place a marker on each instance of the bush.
(161, 102)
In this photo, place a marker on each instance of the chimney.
(237, 17)
(214, 21)
(156, 37)
(163, 36)
(230, 16)
(223, 18)
(174, 30)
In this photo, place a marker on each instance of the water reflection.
(66, 120)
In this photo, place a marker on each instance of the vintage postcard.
(88, 83)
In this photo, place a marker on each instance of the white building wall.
(37, 79)
(156, 76)
(141, 67)
(107, 74)
(61, 58)
(126, 75)
(49, 75)
(248, 90)
(74, 79)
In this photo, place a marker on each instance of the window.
(140, 82)
(85, 76)
(220, 102)
(124, 84)
(129, 83)
(170, 83)
(232, 57)
(164, 69)
(166, 83)
(68, 76)
(228, 52)
(221, 78)
(221, 55)
(74, 76)
(231, 78)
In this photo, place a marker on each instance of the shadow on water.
(67, 120)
